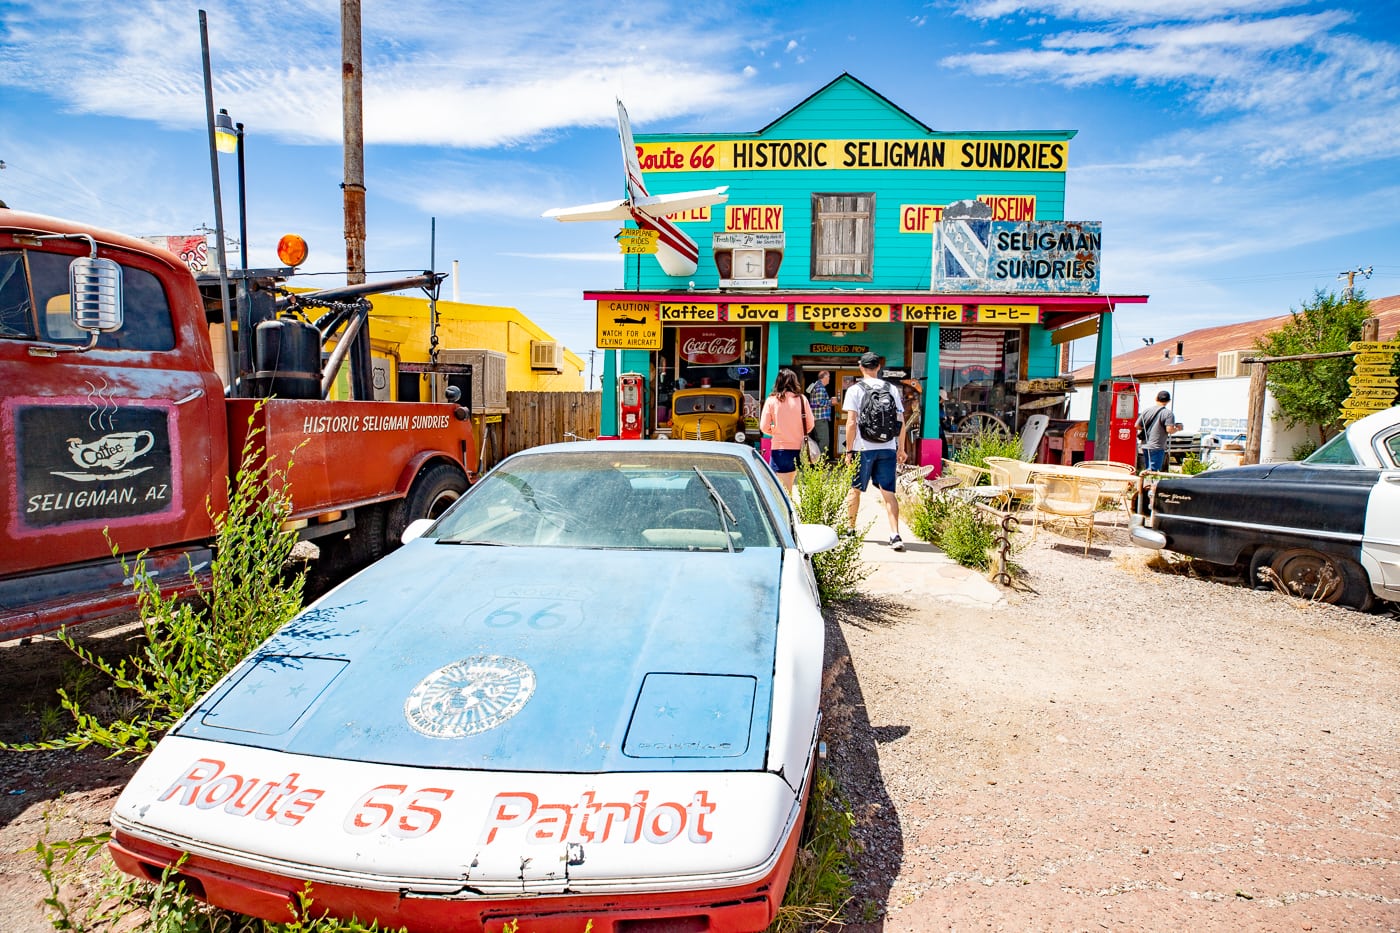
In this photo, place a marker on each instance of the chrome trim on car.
(1142, 536)
(1276, 529)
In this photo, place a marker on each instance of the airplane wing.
(603, 210)
(659, 205)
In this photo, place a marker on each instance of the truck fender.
(436, 483)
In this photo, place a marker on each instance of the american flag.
(963, 346)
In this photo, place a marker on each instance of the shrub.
(956, 527)
(1192, 465)
(1303, 450)
(820, 493)
(976, 449)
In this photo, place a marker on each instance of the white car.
(585, 698)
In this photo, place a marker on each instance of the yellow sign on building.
(932, 314)
(628, 325)
(689, 312)
(755, 313)
(1008, 314)
(830, 313)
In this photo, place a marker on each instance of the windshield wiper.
(726, 517)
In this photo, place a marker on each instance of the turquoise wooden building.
(849, 226)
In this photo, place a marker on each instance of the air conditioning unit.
(1228, 365)
(546, 355)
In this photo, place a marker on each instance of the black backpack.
(878, 419)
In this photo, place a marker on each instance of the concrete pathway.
(921, 571)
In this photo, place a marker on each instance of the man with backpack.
(875, 431)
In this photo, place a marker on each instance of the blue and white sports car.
(586, 698)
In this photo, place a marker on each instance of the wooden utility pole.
(352, 102)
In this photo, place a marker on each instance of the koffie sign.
(78, 463)
(975, 254)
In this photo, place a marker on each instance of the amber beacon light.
(291, 250)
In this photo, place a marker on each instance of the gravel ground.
(1109, 747)
(1118, 746)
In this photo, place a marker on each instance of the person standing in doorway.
(819, 395)
(787, 418)
(1154, 427)
(876, 436)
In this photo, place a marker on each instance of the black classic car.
(1325, 528)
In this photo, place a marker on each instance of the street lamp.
(228, 137)
(233, 374)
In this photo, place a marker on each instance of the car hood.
(519, 659)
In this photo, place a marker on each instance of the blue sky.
(1240, 153)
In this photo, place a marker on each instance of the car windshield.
(716, 404)
(1336, 452)
(596, 499)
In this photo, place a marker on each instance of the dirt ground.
(1120, 748)
(1113, 747)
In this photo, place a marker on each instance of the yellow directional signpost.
(633, 240)
(1373, 387)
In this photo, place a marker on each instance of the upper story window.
(843, 236)
(34, 304)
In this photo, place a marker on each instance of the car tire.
(1262, 558)
(1302, 571)
(432, 492)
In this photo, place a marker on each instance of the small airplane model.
(676, 252)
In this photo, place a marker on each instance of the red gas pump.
(1122, 422)
(631, 399)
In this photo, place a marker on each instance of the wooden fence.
(537, 418)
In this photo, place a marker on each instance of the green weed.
(820, 885)
(820, 493)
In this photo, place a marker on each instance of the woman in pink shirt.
(787, 418)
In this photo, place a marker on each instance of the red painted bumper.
(744, 909)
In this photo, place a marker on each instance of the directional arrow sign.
(1374, 357)
(1374, 381)
(1369, 392)
(630, 247)
(637, 233)
(1372, 369)
(1363, 346)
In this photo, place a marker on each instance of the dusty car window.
(1336, 452)
(604, 500)
(1392, 449)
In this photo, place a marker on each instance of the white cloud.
(436, 73)
(1125, 10)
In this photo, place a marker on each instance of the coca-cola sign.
(710, 345)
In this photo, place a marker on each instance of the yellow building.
(534, 361)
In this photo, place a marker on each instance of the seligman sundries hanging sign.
(973, 253)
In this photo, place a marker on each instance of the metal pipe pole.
(233, 372)
(242, 203)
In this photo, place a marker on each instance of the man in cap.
(878, 459)
(1153, 428)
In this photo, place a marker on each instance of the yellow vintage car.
(707, 414)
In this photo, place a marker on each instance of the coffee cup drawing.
(111, 451)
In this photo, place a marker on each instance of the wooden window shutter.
(843, 236)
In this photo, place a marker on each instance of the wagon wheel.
(982, 421)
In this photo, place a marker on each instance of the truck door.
(124, 440)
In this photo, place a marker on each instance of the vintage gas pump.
(1122, 423)
(631, 400)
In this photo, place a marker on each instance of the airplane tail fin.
(636, 186)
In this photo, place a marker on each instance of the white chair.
(1031, 435)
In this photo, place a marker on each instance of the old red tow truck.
(115, 422)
